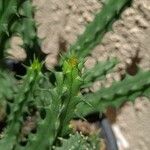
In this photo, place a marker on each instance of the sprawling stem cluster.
(57, 95)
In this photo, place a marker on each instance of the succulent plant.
(57, 94)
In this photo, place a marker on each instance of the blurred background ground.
(60, 22)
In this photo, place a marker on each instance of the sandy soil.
(62, 21)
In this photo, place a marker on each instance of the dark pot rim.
(107, 133)
(105, 128)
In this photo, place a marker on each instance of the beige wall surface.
(61, 21)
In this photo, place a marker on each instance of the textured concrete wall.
(62, 21)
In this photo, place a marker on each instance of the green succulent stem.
(16, 117)
(128, 89)
(16, 19)
(72, 82)
(95, 30)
